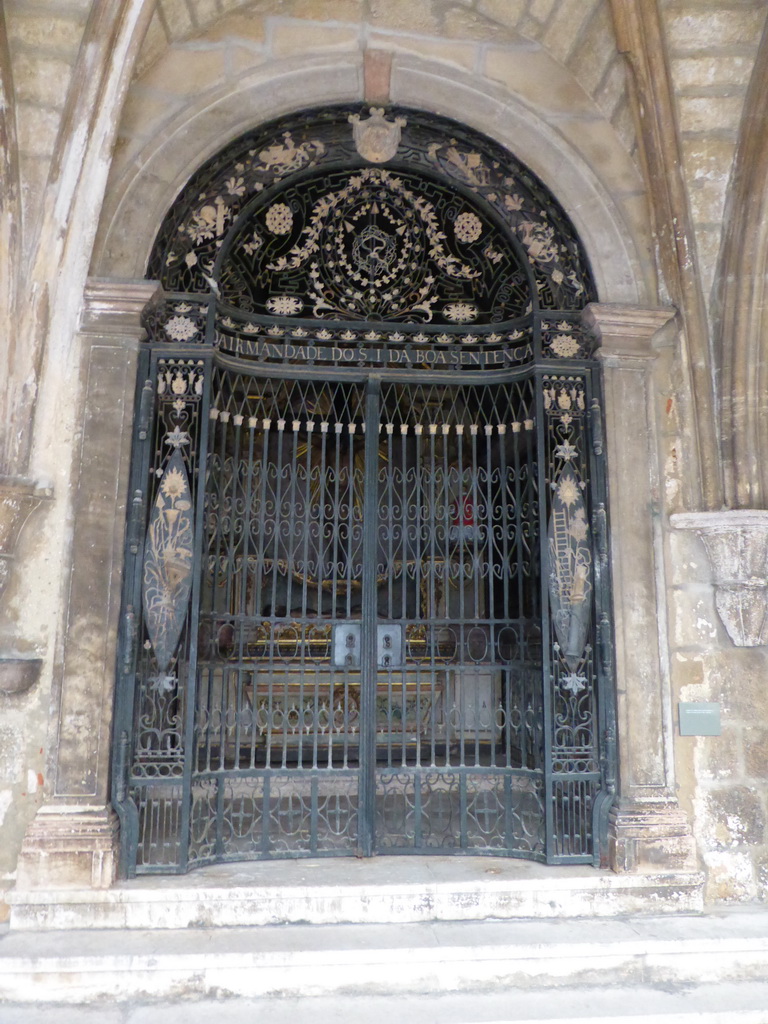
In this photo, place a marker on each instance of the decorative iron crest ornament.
(167, 576)
(377, 139)
(570, 567)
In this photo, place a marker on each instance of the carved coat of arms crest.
(376, 138)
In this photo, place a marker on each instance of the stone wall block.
(461, 54)
(761, 876)
(46, 32)
(176, 19)
(695, 28)
(730, 876)
(695, 623)
(756, 752)
(737, 678)
(541, 10)
(565, 25)
(317, 10)
(708, 70)
(710, 113)
(733, 817)
(155, 42)
(611, 93)
(19, 499)
(595, 51)
(459, 23)
(537, 78)
(717, 757)
(294, 37)
(37, 127)
(186, 70)
(506, 12)
(42, 80)
(404, 14)
(246, 29)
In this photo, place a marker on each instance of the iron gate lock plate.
(346, 645)
(389, 646)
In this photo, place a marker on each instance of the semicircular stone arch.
(599, 188)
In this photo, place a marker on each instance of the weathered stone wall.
(712, 48)
(44, 38)
(43, 41)
(210, 68)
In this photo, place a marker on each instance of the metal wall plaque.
(699, 718)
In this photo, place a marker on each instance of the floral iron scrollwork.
(294, 149)
(570, 576)
(167, 570)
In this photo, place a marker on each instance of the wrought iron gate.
(366, 593)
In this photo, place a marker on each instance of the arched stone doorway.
(366, 601)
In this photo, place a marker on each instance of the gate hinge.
(129, 650)
(145, 408)
(605, 640)
(136, 521)
(601, 529)
(596, 419)
(121, 768)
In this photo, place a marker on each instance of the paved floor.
(713, 1004)
(671, 947)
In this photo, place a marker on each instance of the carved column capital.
(736, 542)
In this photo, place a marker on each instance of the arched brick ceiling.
(578, 35)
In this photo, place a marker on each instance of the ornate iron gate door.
(366, 589)
(368, 678)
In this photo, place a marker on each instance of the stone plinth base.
(653, 837)
(346, 891)
(75, 848)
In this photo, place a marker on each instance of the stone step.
(346, 890)
(730, 1003)
(406, 959)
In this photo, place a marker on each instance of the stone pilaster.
(72, 840)
(647, 828)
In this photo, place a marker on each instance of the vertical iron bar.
(368, 666)
(546, 634)
(127, 661)
(190, 689)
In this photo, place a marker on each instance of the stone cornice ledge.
(625, 330)
(736, 542)
(114, 306)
